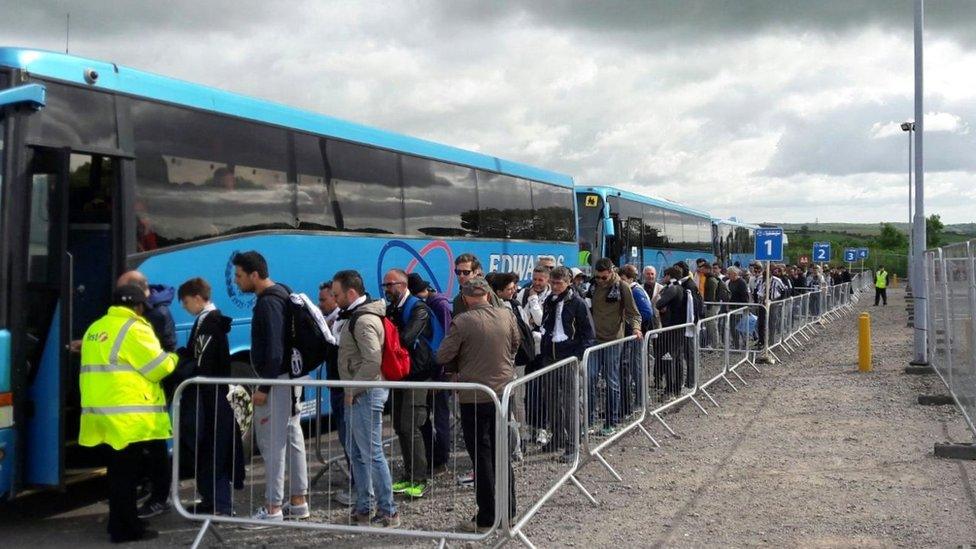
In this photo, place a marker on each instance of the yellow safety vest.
(881, 280)
(122, 364)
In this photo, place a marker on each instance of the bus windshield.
(589, 208)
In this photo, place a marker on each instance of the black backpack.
(526, 351)
(722, 293)
(306, 335)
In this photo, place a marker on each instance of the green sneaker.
(401, 486)
(417, 490)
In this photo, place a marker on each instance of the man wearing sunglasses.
(615, 316)
(466, 267)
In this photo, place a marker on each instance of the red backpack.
(395, 364)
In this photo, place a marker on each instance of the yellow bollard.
(864, 343)
(894, 281)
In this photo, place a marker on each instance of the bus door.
(635, 242)
(69, 278)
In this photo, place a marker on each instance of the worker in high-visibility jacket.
(881, 286)
(123, 407)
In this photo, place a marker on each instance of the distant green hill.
(870, 229)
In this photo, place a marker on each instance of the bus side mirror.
(32, 95)
(608, 229)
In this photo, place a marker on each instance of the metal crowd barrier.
(448, 501)
(553, 402)
(951, 338)
(615, 394)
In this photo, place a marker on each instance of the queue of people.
(493, 333)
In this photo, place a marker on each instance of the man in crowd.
(480, 348)
(881, 286)
(669, 352)
(628, 274)
(505, 286)
(531, 298)
(123, 406)
(651, 285)
(158, 300)
(360, 355)
(567, 331)
(276, 421)
(413, 320)
(615, 315)
(466, 267)
(437, 434)
(330, 310)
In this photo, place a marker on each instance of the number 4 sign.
(769, 244)
(821, 252)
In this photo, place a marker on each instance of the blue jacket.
(644, 306)
(159, 316)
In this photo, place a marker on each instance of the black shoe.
(146, 534)
(153, 509)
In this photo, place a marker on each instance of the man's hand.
(75, 346)
(259, 398)
(348, 398)
(639, 334)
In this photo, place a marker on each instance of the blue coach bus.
(106, 168)
(640, 230)
(734, 241)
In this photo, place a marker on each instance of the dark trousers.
(337, 399)
(409, 415)
(437, 434)
(478, 426)
(125, 468)
(880, 294)
(558, 399)
(669, 351)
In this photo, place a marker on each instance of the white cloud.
(787, 119)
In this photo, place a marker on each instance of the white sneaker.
(542, 437)
(295, 512)
(263, 515)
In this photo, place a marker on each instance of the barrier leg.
(740, 378)
(583, 489)
(665, 425)
(204, 528)
(700, 407)
(609, 468)
(709, 397)
(730, 383)
(648, 433)
(525, 540)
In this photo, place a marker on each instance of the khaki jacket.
(611, 318)
(361, 353)
(480, 347)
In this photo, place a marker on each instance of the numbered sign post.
(862, 254)
(850, 254)
(769, 244)
(821, 252)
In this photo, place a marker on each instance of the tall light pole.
(909, 127)
(919, 286)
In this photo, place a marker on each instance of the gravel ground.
(811, 453)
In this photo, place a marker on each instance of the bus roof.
(734, 223)
(112, 77)
(660, 202)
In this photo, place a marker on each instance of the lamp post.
(919, 287)
(909, 127)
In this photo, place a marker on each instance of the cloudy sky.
(779, 110)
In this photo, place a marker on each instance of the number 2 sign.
(821, 252)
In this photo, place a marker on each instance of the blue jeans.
(366, 452)
(337, 400)
(605, 362)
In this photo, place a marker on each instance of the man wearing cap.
(123, 406)
(480, 348)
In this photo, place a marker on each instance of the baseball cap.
(128, 294)
(476, 286)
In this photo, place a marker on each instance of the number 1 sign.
(769, 244)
